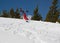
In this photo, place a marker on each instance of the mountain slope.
(19, 31)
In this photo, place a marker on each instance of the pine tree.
(12, 13)
(36, 15)
(17, 14)
(0, 13)
(53, 14)
(59, 16)
(58, 20)
(4, 14)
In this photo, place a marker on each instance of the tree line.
(53, 14)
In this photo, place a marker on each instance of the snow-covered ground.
(19, 31)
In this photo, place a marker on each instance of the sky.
(30, 5)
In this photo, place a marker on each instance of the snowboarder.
(25, 17)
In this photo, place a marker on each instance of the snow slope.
(19, 31)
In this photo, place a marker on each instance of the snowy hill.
(19, 31)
